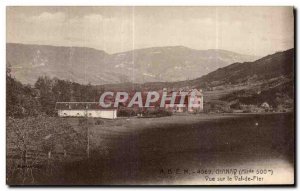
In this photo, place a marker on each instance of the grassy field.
(136, 150)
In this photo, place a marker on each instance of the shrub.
(157, 113)
(99, 122)
(126, 112)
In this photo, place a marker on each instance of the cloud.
(45, 17)
(91, 19)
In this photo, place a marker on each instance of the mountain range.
(249, 84)
(269, 79)
(88, 65)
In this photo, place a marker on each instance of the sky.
(248, 30)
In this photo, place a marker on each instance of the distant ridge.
(88, 65)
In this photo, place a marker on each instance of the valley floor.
(184, 149)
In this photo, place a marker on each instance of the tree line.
(27, 100)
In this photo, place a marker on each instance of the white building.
(85, 109)
(193, 102)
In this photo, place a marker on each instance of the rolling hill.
(87, 65)
(240, 86)
(269, 79)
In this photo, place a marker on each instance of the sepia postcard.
(161, 95)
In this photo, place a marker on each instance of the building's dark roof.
(80, 105)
